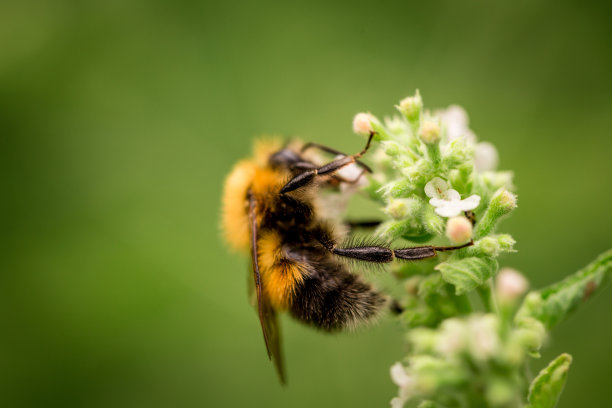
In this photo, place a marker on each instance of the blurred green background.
(119, 121)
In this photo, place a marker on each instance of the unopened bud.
(459, 230)
(400, 208)
(391, 148)
(502, 203)
(510, 284)
(506, 199)
(430, 132)
(411, 107)
(362, 124)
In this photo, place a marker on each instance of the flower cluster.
(471, 328)
(471, 355)
(429, 166)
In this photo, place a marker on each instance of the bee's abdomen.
(332, 298)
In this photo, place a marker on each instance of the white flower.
(405, 383)
(484, 339)
(453, 337)
(456, 121)
(447, 201)
(362, 124)
(350, 171)
(485, 157)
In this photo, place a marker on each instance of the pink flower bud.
(362, 124)
(459, 230)
(511, 284)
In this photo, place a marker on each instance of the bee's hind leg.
(381, 254)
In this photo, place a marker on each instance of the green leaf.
(546, 388)
(553, 304)
(467, 273)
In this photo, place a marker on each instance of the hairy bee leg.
(380, 254)
(305, 178)
(333, 151)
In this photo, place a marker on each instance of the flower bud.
(391, 148)
(430, 132)
(506, 200)
(362, 124)
(411, 107)
(459, 230)
(492, 246)
(400, 208)
(501, 204)
(510, 285)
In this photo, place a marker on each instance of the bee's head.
(285, 159)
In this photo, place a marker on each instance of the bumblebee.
(272, 209)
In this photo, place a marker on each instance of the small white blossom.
(485, 157)
(362, 124)
(453, 337)
(333, 205)
(484, 339)
(447, 201)
(405, 383)
(350, 172)
(456, 121)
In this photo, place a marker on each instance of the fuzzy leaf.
(468, 273)
(546, 388)
(553, 304)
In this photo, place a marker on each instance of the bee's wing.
(267, 314)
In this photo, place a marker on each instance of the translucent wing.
(267, 314)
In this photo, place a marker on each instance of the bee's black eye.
(284, 158)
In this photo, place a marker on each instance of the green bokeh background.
(119, 121)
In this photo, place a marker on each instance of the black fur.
(332, 298)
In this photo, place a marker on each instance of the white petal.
(438, 202)
(456, 121)
(452, 195)
(397, 402)
(485, 157)
(470, 203)
(350, 172)
(451, 209)
(436, 188)
(399, 376)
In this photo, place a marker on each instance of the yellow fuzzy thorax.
(252, 173)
